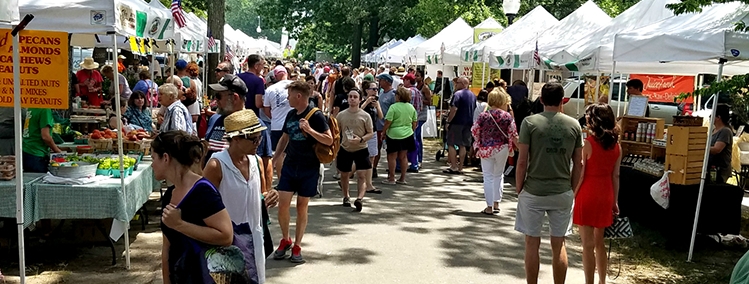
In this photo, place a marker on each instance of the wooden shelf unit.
(629, 124)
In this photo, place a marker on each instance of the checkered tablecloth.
(92, 201)
(8, 196)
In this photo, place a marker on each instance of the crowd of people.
(269, 121)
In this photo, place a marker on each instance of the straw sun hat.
(89, 64)
(242, 122)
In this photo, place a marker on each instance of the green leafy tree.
(196, 6)
(242, 15)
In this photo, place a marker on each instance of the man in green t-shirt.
(37, 140)
(548, 143)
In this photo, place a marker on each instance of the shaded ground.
(427, 232)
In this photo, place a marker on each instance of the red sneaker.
(284, 247)
(296, 255)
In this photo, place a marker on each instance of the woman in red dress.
(596, 196)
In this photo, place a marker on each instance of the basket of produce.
(8, 160)
(81, 139)
(682, 120)
(134, 142)
(102, 140)
(7, 171)
(72, 169)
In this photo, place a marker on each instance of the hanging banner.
(138, 19)
(481, 34)
(479, 77)
(44, 69)
(665, 88)
(9, 11)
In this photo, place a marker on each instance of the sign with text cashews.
(44, 69)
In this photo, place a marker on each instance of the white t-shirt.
(277, 99)
(397, 81)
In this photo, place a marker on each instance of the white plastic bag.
(661, 190)
(429, 129)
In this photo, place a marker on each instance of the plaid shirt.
(416, 99)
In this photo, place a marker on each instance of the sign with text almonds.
(44, 69)
(665, 88)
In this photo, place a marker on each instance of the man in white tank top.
(236, 174)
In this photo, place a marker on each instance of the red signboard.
(664, 88)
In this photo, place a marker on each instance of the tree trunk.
(374, 32)
(216, 21)
(356, 45)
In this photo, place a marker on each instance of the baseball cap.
(385, 77)
(409, 77)
(326, 69)
(230, 82)
(180, 64)
(279, 70)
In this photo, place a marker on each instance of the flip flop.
(484, 212)
(401, 182)
(375, 191)
(388, 182)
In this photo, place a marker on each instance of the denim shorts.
(299, 178)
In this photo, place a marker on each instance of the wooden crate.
(629, 124)
(686, 141)
(636, 148)
(686, 169)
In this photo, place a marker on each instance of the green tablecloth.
(92, 201)
(8, 196)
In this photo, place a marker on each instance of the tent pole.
(704, 162)
(598, 86)
(611, 83)
(119, 146)
(483, 74)
(618, 95)
(579, 90)
(442, 98)
(19, 162)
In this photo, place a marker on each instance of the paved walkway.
(430, 231)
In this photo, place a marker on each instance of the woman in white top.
(236, 174)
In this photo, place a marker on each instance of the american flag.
(536, 57)
(229, 54)
(178, 14)
(211, 40)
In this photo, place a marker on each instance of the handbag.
(619, 229)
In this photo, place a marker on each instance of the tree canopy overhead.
(345, 28)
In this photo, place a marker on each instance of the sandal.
(388, 182)
(485, 213)
(401, 182)
(375, 191)
(451, 171)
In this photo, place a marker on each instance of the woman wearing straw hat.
(236, 172)
(89, 82)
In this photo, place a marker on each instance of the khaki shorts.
(532, 208)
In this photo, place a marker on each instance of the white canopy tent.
(529, 27)
(707, 39)
(702, 37)
(452, 55)
(594, 52)
(370, 57)
(589, 17)
(399, 54)
(269, 48)
(454, 33)
(380, 54)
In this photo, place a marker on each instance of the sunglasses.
(255, 138)
(373, 89)
(221, 70)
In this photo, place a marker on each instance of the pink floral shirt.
(487, 137)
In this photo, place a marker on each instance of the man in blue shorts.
(301, 168)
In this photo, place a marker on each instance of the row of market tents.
(90, 21)
(646, 38)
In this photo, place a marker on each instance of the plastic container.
(106, 172)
